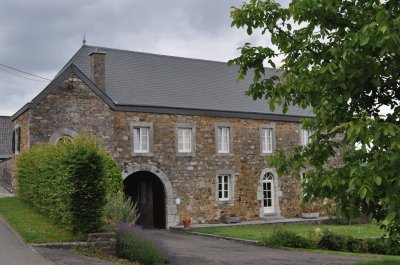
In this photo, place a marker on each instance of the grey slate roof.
(143, 79)
(5, 137)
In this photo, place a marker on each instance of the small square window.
(184, 140)
(223, 139)
(224, 187)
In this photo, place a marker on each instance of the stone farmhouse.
(186, 137)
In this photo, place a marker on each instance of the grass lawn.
(257, 232)
(32, 226)
(380, 262)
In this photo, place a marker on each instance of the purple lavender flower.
(137, 244)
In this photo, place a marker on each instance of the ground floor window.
(224, 187)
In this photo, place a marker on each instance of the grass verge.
(258, 232)
(380, 262)
(32, 226)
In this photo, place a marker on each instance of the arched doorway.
(171, 214)
(148, 191)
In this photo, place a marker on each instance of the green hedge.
(331, 240)
(69, 182)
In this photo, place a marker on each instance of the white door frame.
(268, 193)
(276, 193)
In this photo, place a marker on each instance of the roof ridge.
(162, 55)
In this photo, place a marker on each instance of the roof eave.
(210, 112)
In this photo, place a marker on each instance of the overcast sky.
(40, 36)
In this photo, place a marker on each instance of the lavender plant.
(136, 244)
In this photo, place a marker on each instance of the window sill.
(224, 154)
(267, 154)
(225, 202)
(186, 154)
(141, 154)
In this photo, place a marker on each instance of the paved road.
(200, 250)
(13, 251)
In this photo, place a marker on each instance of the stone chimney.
(98, 69)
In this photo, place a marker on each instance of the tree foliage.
(341, 59)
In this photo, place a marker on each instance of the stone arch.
(277, 191)
(61, 132)
(171, 210)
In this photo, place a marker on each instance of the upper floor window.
(142, 133)
(141, 139)
(267, 135)
(305, 137)
(184, 140)
(223, 139)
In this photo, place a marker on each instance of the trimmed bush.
(136, 244)
(68, 182)
(354, 245)
(282, 238)
(383, 246)
(332, 241)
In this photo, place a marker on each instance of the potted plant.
(186, 220)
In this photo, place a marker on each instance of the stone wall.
(6, 174)
(74, 107)
(193, 178)
(69, 109)
(105, 242)
(23, 122)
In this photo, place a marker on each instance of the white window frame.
(224, 183)
(305, 137)
(192, 138)
(228, 187)
(266, 142)
(223, 131)
(139, 149)
(141, 138)
(272, 145)
(185, 140)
